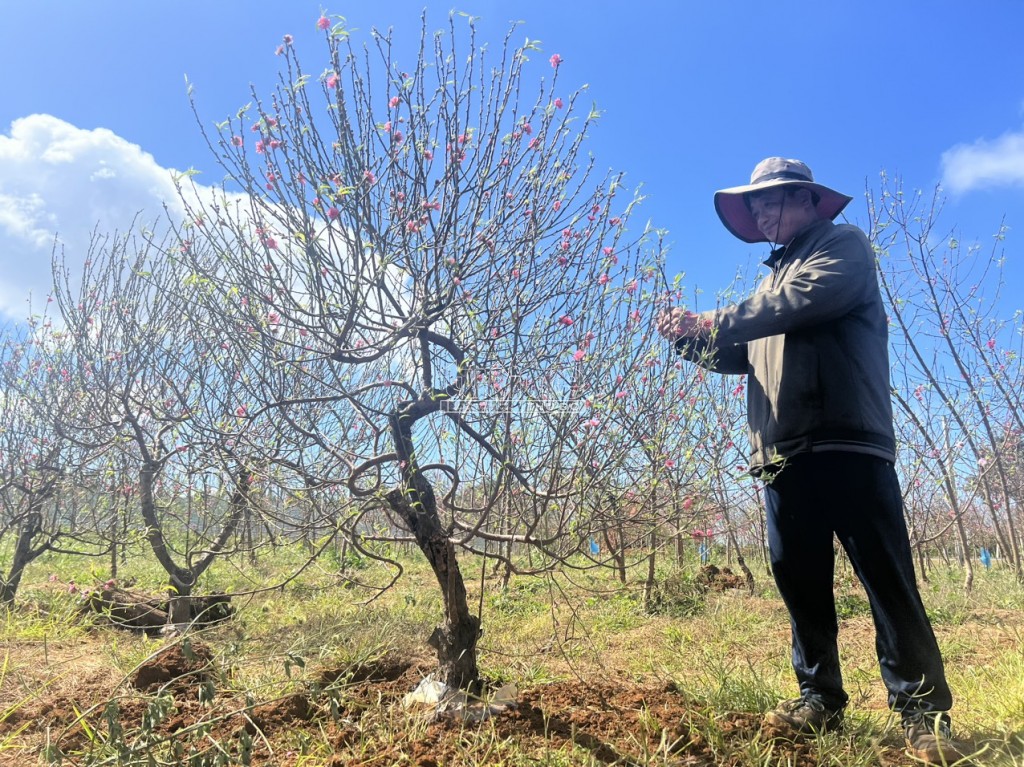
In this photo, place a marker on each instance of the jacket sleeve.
(826, 284)
(731, 359)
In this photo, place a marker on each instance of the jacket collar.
(778, 254)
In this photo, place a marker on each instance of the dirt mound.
(385, 669)
(139, 611)
(276, 714)
(180, 666)
(714, 579)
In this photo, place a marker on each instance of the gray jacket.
(813, 341)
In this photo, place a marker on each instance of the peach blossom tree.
(423, 249)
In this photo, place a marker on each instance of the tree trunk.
(455, 640)
(23, 555)
(649, 583)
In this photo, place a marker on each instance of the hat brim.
(733, 211)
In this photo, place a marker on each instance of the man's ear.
(803, 197)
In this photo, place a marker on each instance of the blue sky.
(93, 105)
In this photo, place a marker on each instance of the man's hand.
(677, 323)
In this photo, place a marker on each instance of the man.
(813, 342)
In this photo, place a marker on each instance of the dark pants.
(857, 498)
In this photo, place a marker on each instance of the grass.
(724, 654)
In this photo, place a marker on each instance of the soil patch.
(181, 666)
(285, 712)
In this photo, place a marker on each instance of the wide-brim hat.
(773, 172)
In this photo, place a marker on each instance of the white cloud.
(61, 181)
(984, 164)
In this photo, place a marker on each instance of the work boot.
(805, 716)
(929, 738)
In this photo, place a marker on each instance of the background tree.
(958, 385)
(153, 399)
(42, 461)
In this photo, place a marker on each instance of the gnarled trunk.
(454, 640)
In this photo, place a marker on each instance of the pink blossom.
(260, 147)
(333, 80)
(323, 23)
(604, 279)
(555, 60)
(558, 103)
(557, 204)
(288, 39)
(428, 155)
(991, 343)
(527, 128)
(240, 411)
(394, 102)
(566, 320)
(615, 221)
(631, 288)
(270, 242)
(579, 354)
(332, 213)
(534, 144)
(620, 395)
(369, 177)
(669, 463)
(237, 141)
